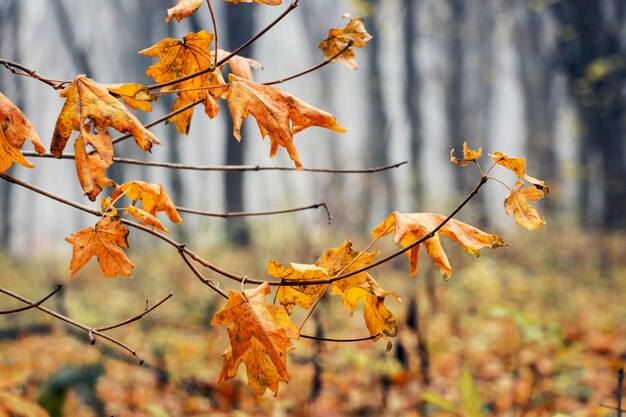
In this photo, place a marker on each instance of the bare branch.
(201, 277)
(19, 69)
(326, 339)
(227, 214)
(38, 303)
(138, 316)
(90, 330)
(188, 167)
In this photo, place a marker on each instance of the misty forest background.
(543, 79)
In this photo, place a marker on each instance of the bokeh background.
(541, 326)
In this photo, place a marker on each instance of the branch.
(227, 214)
(138, 316)
(238, 168)
(90, 330)
(34, 305)
(222, 61)
(19, 69)
(326, 339)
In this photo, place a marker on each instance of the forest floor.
(534, 329)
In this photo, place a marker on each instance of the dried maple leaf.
(469, 155)
(239, 65)
(153, 198)
(260, 336)
(278, 114)
(183, 9)
(104, 242)
(181, 58)
(303, 295)
(517, 165)
(411, 227)
(146, 218)
(517, 203)
(91, 110)
(136, 96)
(14, 130)
(338, 39)
(378, 319)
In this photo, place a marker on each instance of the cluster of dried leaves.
(260, 333)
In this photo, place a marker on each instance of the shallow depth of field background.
(540, 325)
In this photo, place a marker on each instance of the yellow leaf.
(304, 295)
(517, 165)
(153, 198)
(517, 203)
(239, 65)
(91, 110)
(106, 204)
(408, 228)
(469, 155)
(183, 9)
(268, 2)
(104, 242)
(378, 319)
(260, 336)
(541, 185)
(278, 114)
(338, 39)
(181, 58)
(136, 96)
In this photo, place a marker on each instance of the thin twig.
(227, 214)
(38, 303)
(327, 339)
(137, 317)
(620, 390)
(201, 277)
(90, 330)
(238, 168)
(315, 68)
(222, 61)
(208, 3)
(15, 68)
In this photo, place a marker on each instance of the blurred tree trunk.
(239, 28)
(412, 93)
(378, 193)
(455, 96)
(537, 76)
(591, 52)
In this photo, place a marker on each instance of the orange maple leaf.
(414, 226)
(181, 58)
(183, 9)
(14, 130)
(260, 337)
(279, 114)
(104, 242)
(153, 199)
(517, 203)
(338, 39)
(378, 319)
(239, 65)
(146, 218)
(91, 110)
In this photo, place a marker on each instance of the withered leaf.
(411, 227)
(260, 336)
(378, 319)
(181, 58)
(153, 198)
(517, 165)
(146, 218)
(338, 39)
(91, 110)
(136, 96)
(469, 155)
(183, 9)
(105, 242)
(517, 203)
(279, 114)
(14, 130)
(239, 65)
(268, 2)
(304, 295)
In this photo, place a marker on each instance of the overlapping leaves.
(14, 130)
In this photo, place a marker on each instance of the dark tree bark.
(592, 59)
(240, 28)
